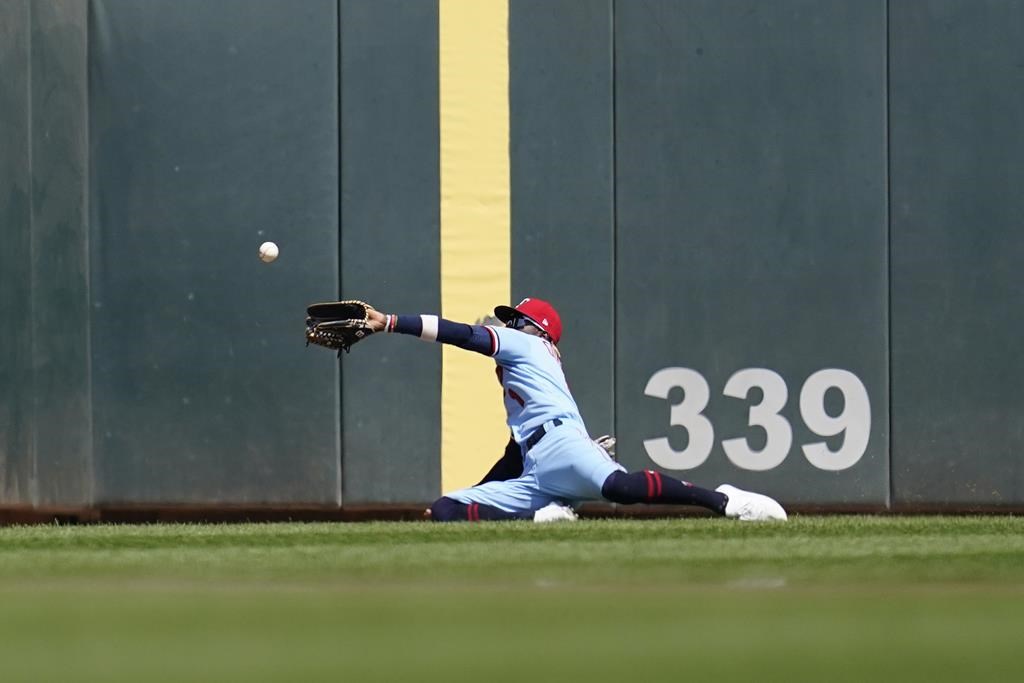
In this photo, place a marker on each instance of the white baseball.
(268, 252)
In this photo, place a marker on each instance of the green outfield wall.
(784, 238)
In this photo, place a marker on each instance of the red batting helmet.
(539, 311)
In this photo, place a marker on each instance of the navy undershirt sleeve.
(470, 337)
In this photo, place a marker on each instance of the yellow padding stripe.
(475, 216)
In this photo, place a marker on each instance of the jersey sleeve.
(510, 345)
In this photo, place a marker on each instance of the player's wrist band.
(428, 330)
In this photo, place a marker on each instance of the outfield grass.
(817, 599)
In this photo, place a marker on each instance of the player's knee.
(619, 488)
(445, 509)
(612, 488)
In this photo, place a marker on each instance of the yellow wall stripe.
(475, 217)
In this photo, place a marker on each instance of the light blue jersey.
(530, 372)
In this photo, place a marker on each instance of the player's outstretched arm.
(434, 328)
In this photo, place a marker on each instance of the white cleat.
(555, 512)
(751, 507)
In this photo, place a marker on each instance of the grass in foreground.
(839, 599)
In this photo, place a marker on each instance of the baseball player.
(561, 465)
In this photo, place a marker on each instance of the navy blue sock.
(649, 486)
(446, 509)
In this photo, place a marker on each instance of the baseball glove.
(338, 325)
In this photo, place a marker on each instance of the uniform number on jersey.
(512, 393)
(853, 422)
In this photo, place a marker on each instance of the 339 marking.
(854, 422)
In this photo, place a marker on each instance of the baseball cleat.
(555, 512)
(751, 507)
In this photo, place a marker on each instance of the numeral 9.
(855, 419)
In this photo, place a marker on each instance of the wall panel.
(957, 245)
(560, 65)
(60, 287)
(16, 397)
(751, 202)
(390, 245)
(214, 127)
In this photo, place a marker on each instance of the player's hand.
(376, 320)
(607, 442)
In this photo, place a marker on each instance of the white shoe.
(555, 512)
(751, 507)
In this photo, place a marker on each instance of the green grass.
(817, 599)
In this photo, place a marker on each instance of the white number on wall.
(854, 422)
(765, 415)
(686, 414)
(855, 419)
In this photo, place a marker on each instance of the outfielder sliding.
(561, 464)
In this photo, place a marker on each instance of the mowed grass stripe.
(159, 535)
(851, 550)
(551, 633)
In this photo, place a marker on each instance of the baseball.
(268, 252)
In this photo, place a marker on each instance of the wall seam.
(615, 221)
(339, 399)
(33, 482)
(90, 492)
(887, 94)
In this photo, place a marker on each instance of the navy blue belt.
(539, 433)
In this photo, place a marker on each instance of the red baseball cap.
(539, 311)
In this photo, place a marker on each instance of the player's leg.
(496, 500)
(570, 465)
(650, 486)
(509, 466)
(446, 509)
(653, 487)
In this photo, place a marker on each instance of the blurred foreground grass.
(838, 599)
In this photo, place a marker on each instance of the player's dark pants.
(509, 466)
